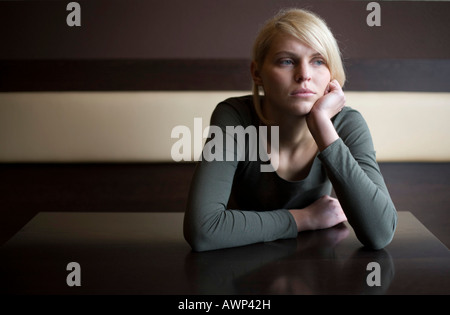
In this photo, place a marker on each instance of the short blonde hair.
(311, 30)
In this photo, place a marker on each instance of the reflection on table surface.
(145, 253)
(309, 264)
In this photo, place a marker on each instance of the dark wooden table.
(145, 253)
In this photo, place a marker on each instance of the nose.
(302, 73)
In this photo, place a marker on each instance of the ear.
(255, 74)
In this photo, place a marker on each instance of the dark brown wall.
(205, 45)
(205, 29)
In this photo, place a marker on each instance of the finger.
(335, 82)
(331, 87)
(334, 85)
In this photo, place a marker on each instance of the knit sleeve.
(352, 168)
(208, 224)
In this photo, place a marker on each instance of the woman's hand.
(331, 102)
(325, 212)
(319, 118)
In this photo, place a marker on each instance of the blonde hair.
(309, 29)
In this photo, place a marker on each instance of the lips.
(302, 92)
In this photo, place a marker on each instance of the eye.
(319, 62)
(286, 62)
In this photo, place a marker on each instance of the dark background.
(206, 45)
(201, 45)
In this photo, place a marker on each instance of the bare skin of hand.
(321, 214)
(319, 119)
(331, 102)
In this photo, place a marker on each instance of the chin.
(303, 108)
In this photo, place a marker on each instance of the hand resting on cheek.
(331, 102)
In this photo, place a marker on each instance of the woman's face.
(294, 76)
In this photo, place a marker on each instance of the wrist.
(302, 219)
(321, 128)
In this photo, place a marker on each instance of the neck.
(293, 130)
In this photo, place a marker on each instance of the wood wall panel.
(420, 75)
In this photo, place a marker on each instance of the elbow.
(381, 240)
(193, 238)
(195, 241)
(197, 237)
(377, 244)
(199, 242)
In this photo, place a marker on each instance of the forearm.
(319, 118)
(362, 193)
(359, 185)
(210, 225)
(232, 228)
(302, 219)
(322, 129)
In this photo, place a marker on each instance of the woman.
(322, 145)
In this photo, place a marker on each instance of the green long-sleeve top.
(261, 200)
